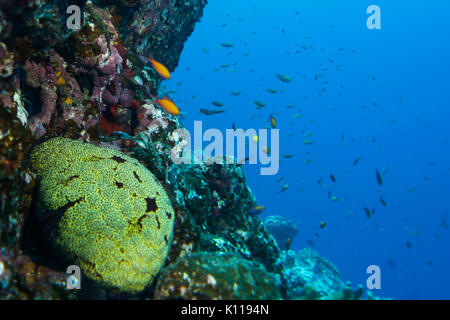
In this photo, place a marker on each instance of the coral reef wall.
(82, 84)
(96, 84)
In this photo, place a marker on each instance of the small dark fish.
(255, 210)
(288, 243)
(408, 244)
(136, 60)
(379, 179)
(259, 103)
(323, 224)
(128, 83)
(243, 161)
(217, 104)
(210, 112)
(331, 197)
(367, 211)
(356, 161)
(332, 178)
(444, 224)
(234, 126)
(383, 202)
(280, 179)
(284, 188)
(235, 93)
(283, 78)
(318, 76)
(227, 45)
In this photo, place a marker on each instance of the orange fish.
(273, 122)
(167, 104)
(160, 68)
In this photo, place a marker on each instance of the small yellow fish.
(160, 68)
(273, 122)
(167, 104)
(255, 210)
(255, 139)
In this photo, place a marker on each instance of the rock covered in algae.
(105, 212)
(213, 276)
(312, 277)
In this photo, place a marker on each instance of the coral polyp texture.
(104, 212)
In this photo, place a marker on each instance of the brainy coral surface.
(105, 212)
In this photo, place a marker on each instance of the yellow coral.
(107, 212)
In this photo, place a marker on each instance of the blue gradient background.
(403, 68)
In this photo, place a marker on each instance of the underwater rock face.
(217, 276)
(16, 181)
(281, 228)
(105, 212)
(216, 199)
(310, 276)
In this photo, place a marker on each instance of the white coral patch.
(211, 280)
(22, 113)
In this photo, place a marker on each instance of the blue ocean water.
(381, 96)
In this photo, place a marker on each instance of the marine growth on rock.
(104, 211)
